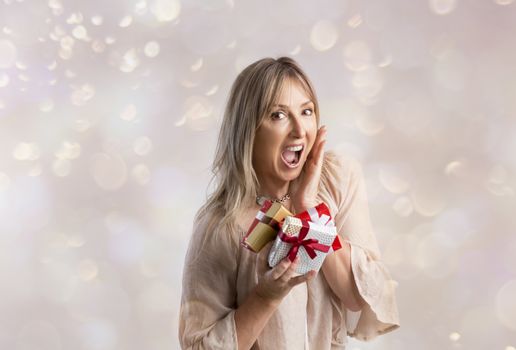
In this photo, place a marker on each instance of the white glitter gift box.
(309, 240)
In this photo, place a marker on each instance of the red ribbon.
(265, 219)
(322, 209)
(310, 245)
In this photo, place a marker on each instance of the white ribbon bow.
(323, 220)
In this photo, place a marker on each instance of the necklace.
(261, 199)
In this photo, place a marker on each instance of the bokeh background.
(109, 114)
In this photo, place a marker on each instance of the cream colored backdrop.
(109, 113)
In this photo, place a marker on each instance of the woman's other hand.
(274, 284)
(304, 195)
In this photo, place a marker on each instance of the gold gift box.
(265, 225)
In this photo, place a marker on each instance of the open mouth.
(291, 155)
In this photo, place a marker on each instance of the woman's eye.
(310, 112)
(278, 115)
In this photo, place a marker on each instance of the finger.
(303, 278)
(322, 136)
(319, 142)
(318, 157)
(321, 133)
(291, 271)
(318, 139)
(315, 164)
(280, 269)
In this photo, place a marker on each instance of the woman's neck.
(274, 191)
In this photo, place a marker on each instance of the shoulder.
(339, 174)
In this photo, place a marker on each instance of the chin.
(291, 177)
(292, 174)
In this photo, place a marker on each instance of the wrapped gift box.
(308, 240)
(265, 225)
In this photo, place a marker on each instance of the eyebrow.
(303, 104)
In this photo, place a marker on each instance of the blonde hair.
(252, 96)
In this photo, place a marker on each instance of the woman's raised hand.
(274, 284)
(304, 195)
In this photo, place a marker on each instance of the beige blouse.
(218, 279)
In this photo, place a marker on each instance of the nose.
(297, 127)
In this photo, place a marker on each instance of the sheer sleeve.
(206, 317)
(374, 283)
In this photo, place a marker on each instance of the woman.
(271, 146)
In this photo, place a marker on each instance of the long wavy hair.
(252, 97)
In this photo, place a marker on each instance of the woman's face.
(286, 136)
